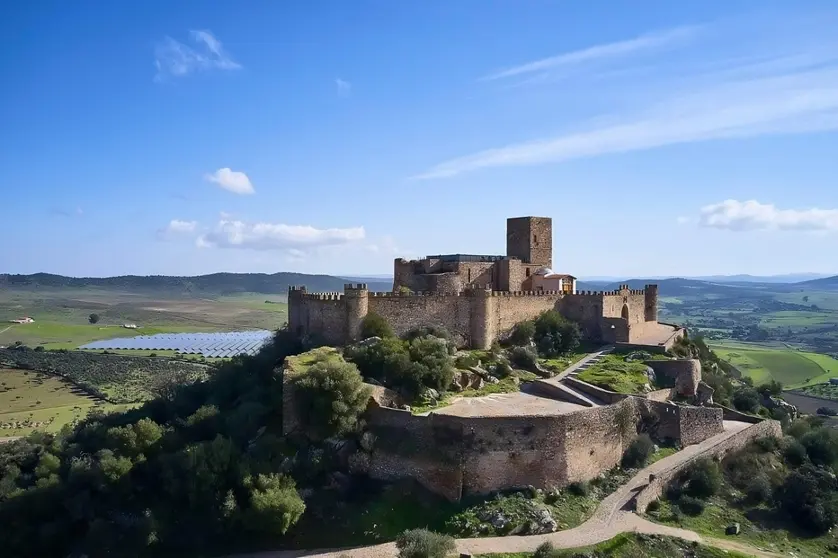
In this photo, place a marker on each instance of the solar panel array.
(216, 345)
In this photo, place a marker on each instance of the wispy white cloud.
(752, 215)
(177, 228)
(234, 181)
(77, 212)
(276, 236)
(344, 88)
(174, 58)
(650, 41)
(782, 96)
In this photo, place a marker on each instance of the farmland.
(792, 368)
(61, 316)
(32, 401)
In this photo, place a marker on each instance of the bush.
(432, 364)
(808, 497)
(638, 452)
(767, 444)
(373, 325)
(275, 504)
(690, 505)
(773, 388)
(93, 318)
(330, 397)
(702, 479)
(432, 330)
(546, 550)
(826, 411)
(522, 334)
(821, 446)
(421, 543)
(582, 488)
(759, 489)
(524, 357)
(555, 335)
(798, 428)
(793, 452)
(746, 399)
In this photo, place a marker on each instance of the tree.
(421, 543)
(373, 325)
(821, 446)
(808, 496)
(555, 335)
(702, 479)
(772, 388)
(522, 334)
(329, 398)
(93, 318)
(275, 504)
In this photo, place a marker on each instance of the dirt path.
(611, 518)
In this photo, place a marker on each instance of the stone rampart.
(658, 484)
(684, 373)
(457, 456)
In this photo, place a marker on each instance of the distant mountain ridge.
(214, 283)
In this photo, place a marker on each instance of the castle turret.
(651, 303)
(296, 309)
(356, 299)
(530, 239)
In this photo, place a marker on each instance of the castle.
(479, 298)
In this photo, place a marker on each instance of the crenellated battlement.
(322, 296)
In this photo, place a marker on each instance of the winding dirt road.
(612, 517)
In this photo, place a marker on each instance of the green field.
(790, 367)
(61, 317)
(31, 401)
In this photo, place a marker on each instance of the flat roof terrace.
(508, 405)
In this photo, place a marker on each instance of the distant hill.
(826, 284)
(213, 284)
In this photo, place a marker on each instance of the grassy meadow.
(793, 368)
(32, 401)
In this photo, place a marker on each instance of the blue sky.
(664, 138)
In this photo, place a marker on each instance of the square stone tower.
(530, 239)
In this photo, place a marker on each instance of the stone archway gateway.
(625, 313)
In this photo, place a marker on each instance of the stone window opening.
(528, 272)
(535, 239)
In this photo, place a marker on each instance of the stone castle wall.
(461, 456)
(476, 316)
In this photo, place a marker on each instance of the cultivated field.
(790, 367)
(32, 401)
(61, 316)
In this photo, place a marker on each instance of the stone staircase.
(555, 388)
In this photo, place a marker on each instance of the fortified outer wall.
(476, 316)
(657, 485)
(459, 456)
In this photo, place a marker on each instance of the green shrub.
(432, 330)
(524, 357)
(701, 479)
(432, 366)
(384, 361)
(274, 502)
(329, 398)
(821, 446)
(501, 370)
(798, 428)
(421, 543)
(793, 452)
(582, 488)
(546, 550)
(767, 444)
(522, 334)
(759, 489)
(746, 399)
(638, 452)
(809, 497)
(373, 325)
(773, 388)
(555, 335)
(690, 505)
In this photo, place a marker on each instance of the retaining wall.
(658, 484)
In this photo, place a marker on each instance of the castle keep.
(481, 297)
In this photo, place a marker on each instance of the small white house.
(24, 320)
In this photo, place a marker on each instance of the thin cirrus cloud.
(647, 42)
(752, 215)
(232, 181)
(786, 88)
(176, 59)
(276, 236)
(344, 88)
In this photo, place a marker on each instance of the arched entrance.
(625, 313)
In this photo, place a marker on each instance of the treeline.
(200, 471)
(105, 375)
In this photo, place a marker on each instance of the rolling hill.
(825, 284)
(200, 285)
